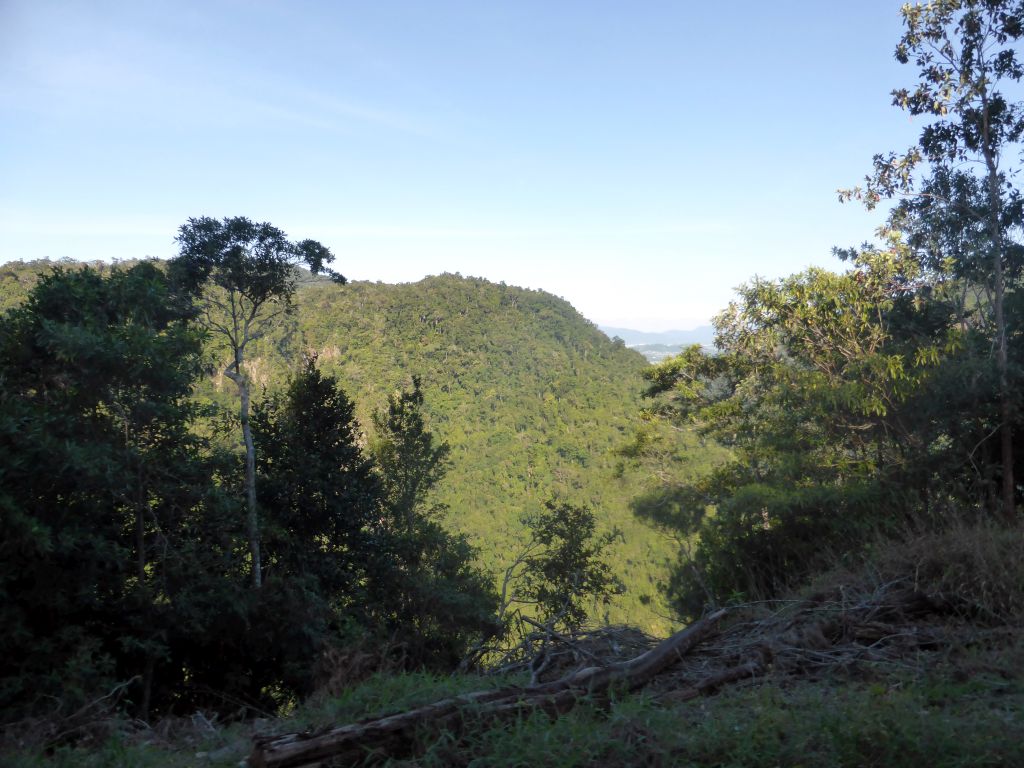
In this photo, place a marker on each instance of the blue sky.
(639, 159)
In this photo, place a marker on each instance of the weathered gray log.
(395, 734)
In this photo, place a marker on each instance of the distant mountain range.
(657, 345)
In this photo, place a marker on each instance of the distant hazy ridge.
(657, 345)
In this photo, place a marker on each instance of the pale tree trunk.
(252, 520)
(1002, 357)
(1005, 404)
(250, 489)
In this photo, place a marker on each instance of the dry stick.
(550, 632)
(75, 721)
(395, 734)
(745, 671)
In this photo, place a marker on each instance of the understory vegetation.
(905, 685)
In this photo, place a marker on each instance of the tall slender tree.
(964, 53)
(241, 277)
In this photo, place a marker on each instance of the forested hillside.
(532, 398)
(534, 401)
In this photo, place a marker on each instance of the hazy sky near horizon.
(638, 159)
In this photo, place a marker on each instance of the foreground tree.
(319, 489)
(101, 478)
(841, 399)
(410, 460)
(964, 51)
(353, 549)
(242, 277)
(428, 589)
(563, 568)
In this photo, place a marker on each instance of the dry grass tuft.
(977, 569)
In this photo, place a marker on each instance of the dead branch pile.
(845, 629)
(848, 628)
(547, 654)
(93, 722)
(394, 735)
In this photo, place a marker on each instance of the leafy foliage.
(102, 481)
(123, 556)
(430, 584)
(316, 484)
(964, 211)
(563, 568)
(849, 401)
(253, 261)
(410, 462)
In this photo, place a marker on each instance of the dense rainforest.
(235, 483)
(532, 400)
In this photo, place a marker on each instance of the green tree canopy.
(960, 204)
(240, 276)
(841, 398)
(102, 479)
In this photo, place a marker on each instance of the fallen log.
(394, 735)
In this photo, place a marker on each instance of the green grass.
(123, 749)
(806, 725)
